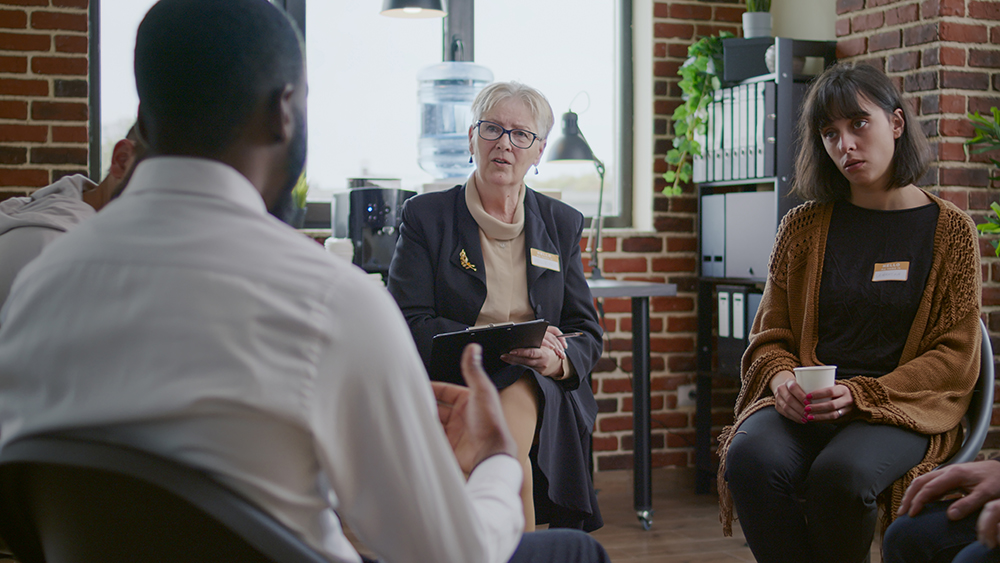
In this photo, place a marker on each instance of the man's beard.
(295, 160)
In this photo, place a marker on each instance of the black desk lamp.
(573, 146)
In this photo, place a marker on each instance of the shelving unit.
(739, 212)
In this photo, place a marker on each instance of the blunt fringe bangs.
(834, 95)
(538, 104)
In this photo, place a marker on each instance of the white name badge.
(891, 271)
(544, 260)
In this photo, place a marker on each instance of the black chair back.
(67, 498)
(980, 412)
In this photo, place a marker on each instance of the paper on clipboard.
(496, 340)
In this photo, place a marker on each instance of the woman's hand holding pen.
(546, 359)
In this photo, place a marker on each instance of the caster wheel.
(645, 518)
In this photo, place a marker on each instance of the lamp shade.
(413, 9)
(572, 145)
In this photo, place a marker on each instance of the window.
(363, 109)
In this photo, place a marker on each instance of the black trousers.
(930, 537)
(808, 491)
(555, 546)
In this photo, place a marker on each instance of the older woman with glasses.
(494, 251)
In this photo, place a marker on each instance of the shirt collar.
(199, 177)
(493, 227)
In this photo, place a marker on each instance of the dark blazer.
(437, 294)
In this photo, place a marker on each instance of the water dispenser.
(445, 94)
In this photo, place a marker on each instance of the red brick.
(660, 50)
(971, 177)
(986, 59)
(25, 2)
(995, 35)
(59, 111)
(954, 152)
(72, 43)
(655, 403)
(920, 82)
(920, 34)
(873, 20)
(883, 41)
(62, 88)
(877, 3)
(614, 423)
(59, 155)
(616, 385)
(952, 56)
(616, 265)
(642, 244)
(605, 443)
(665, 69)
(656, 363)
(70, 3)
(901, 62)
(703, 30)
(724, 14)
(983, 105)
(674, 264)
(843, 27)
(59, 65)
(670, 459)
(667, 345)
(680, 439)
(674, 224)
(680, 363)
(845, 6)
(677, 50)
(24, 177)
(618, 345)
(655, 326)
(989, 10)
(682, 244)
(613, 462)
(965, 80)
(682, 324)
(953, 103)
(959, 198)
(617, 305)
(16, 133)
(59, 20)
(903, 14)
(851, 47)
(956, 128)
(13, 155)
(24, 42)
(13, 19)
(14, 65)
(69, 134)
(991, 296)
(661, 10)
(13, 109)
(667, 304)
(979, 199)
(673, 30)
(673, 419)
(690, 12)
(965, 33)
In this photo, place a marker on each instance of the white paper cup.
(814, 378)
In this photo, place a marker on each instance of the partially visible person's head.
(490, 96)
(125, 156)
(840, 94)
(214, 73)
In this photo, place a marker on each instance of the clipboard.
(496, 340)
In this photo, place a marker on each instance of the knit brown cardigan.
(930, 389)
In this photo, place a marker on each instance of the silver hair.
(537, 104)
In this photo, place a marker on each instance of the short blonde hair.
(537, 104)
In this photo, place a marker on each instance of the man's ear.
(122, 158)
(281, 115)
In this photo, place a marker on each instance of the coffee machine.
(369, 214)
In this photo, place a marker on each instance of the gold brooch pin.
(464, 260)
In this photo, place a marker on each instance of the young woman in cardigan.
(881, 279)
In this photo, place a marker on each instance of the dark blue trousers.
(807, 492)
(555, 546)
(930, 537)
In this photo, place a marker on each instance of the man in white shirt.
(28, 224)
(187, 321)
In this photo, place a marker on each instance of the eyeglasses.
(520, 138)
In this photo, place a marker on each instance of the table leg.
(703, 437)
(640, 412)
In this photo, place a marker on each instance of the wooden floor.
(685, 527)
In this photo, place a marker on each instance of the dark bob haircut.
(834, 95)
(203, 66)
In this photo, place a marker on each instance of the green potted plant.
(299, 193)
(699, 80)
(988, 137)
(757, 19)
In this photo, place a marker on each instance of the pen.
(570, 335)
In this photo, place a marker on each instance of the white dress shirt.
(205, 330)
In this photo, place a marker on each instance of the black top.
(863, 324)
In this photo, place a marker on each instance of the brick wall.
(43, 92)
(667, 255)
(945, 57)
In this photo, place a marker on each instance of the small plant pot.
(756, 24)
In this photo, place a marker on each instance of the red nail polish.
(809, 397)
(808, 408)
(810, 417)
(804, 420)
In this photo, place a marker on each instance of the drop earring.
(470, 159)
(536, 169)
